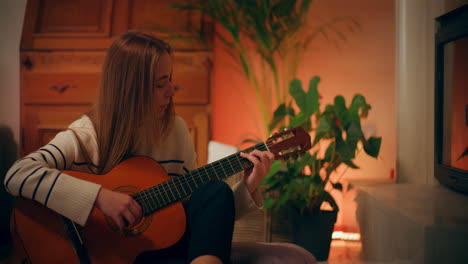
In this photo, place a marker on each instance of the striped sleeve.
(38, 176)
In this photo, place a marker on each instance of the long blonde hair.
(126, 110)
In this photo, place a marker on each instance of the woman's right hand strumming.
(121, 208)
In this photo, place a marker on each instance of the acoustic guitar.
(40, 235)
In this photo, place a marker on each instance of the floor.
(349, 252)
(344, 252)
(341, 252)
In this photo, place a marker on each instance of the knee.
(216, 193)
(220, 190)
(263, 253)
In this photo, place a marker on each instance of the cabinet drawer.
(59, 88)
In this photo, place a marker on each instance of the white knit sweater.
(37, 176)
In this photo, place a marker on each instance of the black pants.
(210, 216)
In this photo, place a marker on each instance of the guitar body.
(40, 233)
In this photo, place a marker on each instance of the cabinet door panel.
(59, 88)
(198, 122)
(61, 25)
(72, 18)
(144, 14)
(92, 24)
(41, 124)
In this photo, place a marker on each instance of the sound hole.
(140, 228)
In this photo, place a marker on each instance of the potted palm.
(302, 185)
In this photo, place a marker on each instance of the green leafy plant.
(303, 183)
(265, 38)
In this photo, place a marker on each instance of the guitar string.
(147, 196)
(194, 177)
(156, 191)
(191, 177)
(159, 189)
(165, 186)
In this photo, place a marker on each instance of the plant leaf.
(353, 135)
(268, 202)
(328, 198)
(307, 125)
(350, 164)
(312, 98)
(280, 113)
(275, 167)
(284, 197)
(298, 120)
(372, 146)
(322, 128)
(342, 112)
(353, 132)
(357, 103)
(298, 94)
(343, 149)
(300, 163)
(330, 151)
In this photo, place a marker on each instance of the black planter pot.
(313, 230)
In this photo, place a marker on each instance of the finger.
(267, 158)
(118, 221)
(271, 156)
(251, 157)
(264, 157)
(136, 211)
(129, 217)
(256, 153)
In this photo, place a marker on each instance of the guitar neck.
(177, 188)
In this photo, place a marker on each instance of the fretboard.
(179, 187)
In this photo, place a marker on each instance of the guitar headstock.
(289, 142)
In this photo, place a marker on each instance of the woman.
(135, 116)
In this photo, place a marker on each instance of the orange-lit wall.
(364, 64)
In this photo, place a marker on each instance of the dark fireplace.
(451, 100)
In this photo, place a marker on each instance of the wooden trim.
(30, 18)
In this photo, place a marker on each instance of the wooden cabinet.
(63, 46)
(92, 24)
